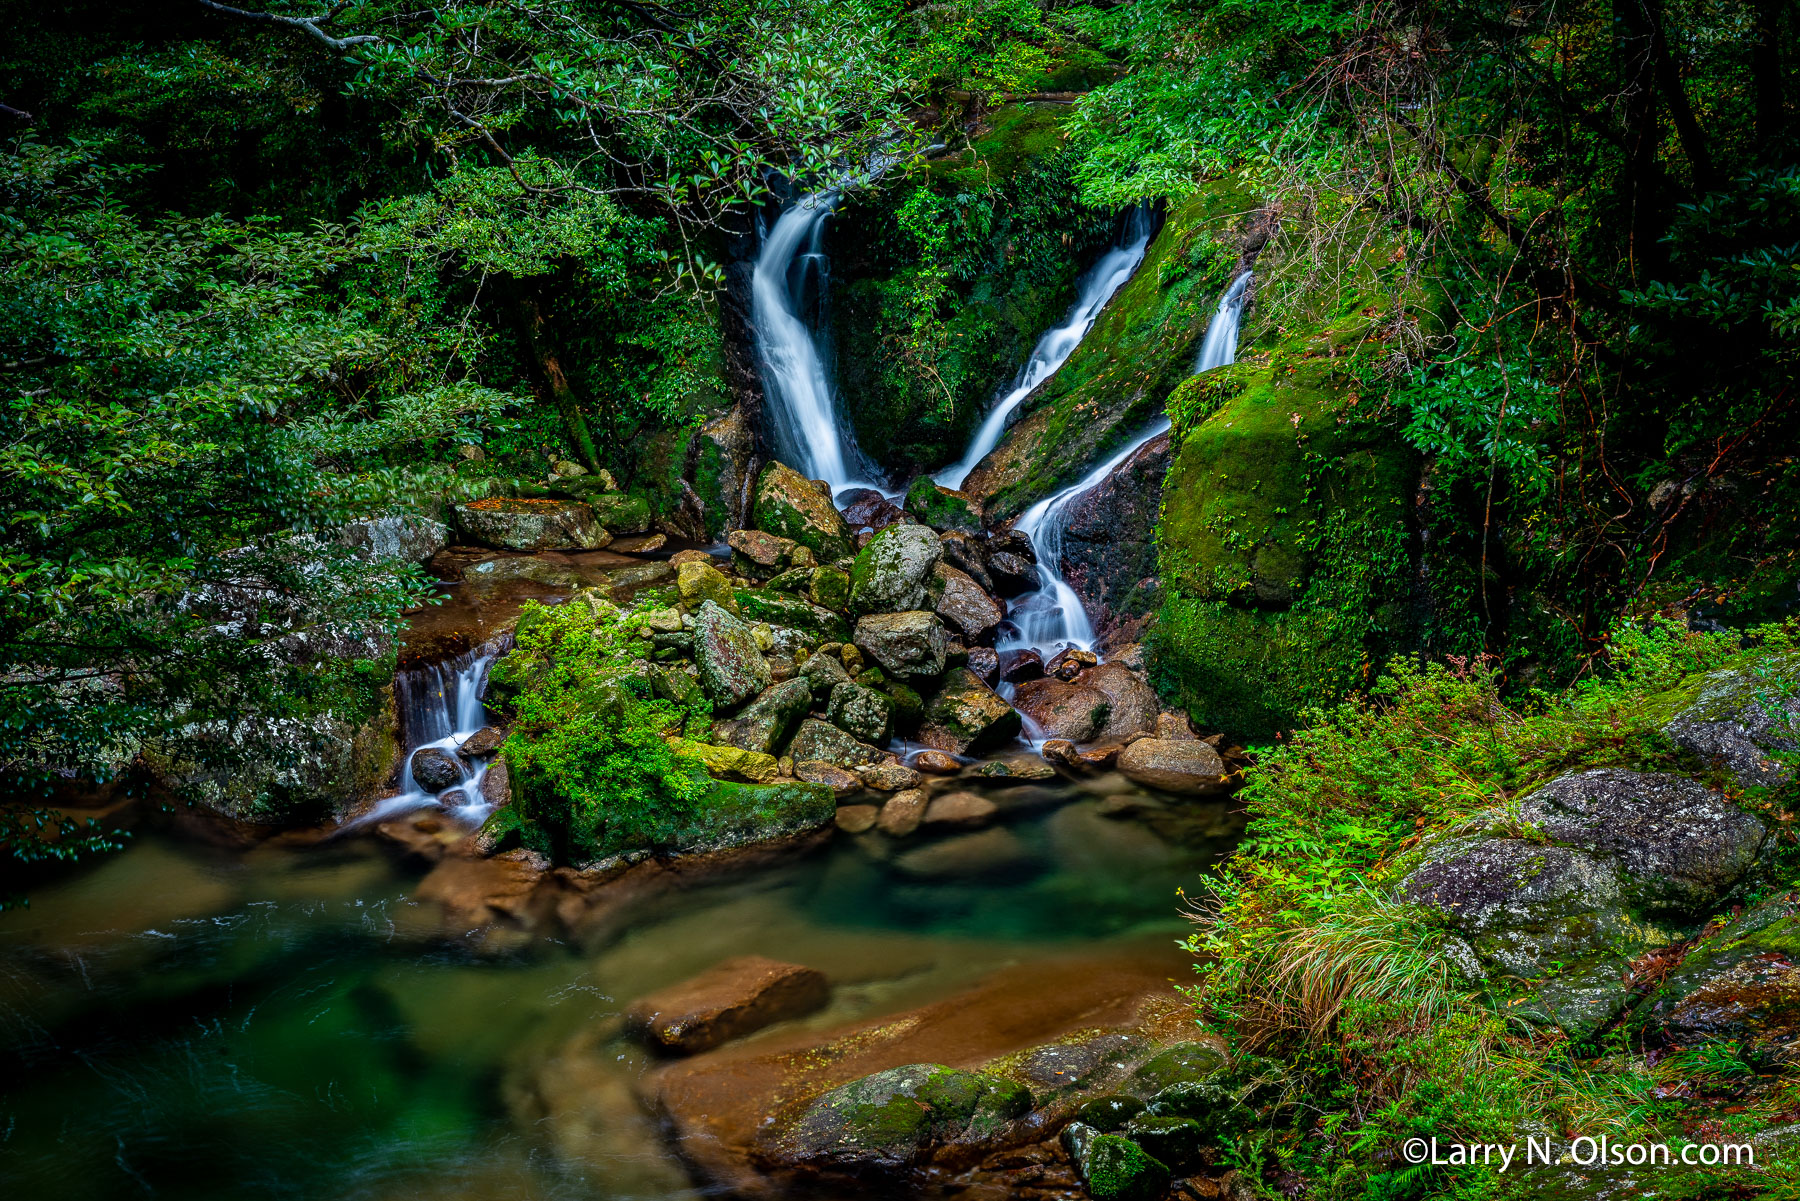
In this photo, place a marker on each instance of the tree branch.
(306, 25)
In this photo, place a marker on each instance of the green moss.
(1117, 1169)
(830, 588)
(940, 508)
(780, 609)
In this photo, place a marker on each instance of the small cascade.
(792, 269)
(1053, 617)
(1093, 290)
(440, 706)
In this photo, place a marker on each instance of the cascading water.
(440, 706)
(796, 385)
(1053, 617)
(1093, 290)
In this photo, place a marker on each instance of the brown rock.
(1174, 727)
(937, 763)
(856, 819)
(902, 813)
(1020, 665)
(985, 663)
(988, 854)
(865, 508)
(1134, 704)
(1063, 710)
(496, 784)
(1061, 750)
(1069, 662)
(481, 743)
(817, 771)
(890, 777)
(961, 809)
(480, 892)
(1099, 755)
(1174, 765)
(690, 556)
(962, 603)
(729, 1001)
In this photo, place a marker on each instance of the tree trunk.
(1668, 81)
(531, 320)
(1634, 42)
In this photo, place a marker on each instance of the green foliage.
(595, 774)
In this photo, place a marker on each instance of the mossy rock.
(885, 1121)
(741, 814)
(1174, 1141)
(941, 508)
(829, 588)
(1117, 1169)
(1183, 1063)
(1109, 1114)
(789, 506)
(781, 609)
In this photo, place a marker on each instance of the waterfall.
(440, 706)
(1054, 617)
(796, 385)
(1093, 290)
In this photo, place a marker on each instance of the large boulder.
(962, 603)
(618, 512)
(728, 1001)
(732, 669)
(1741, 719)
(697, 581)
(1063, 710)
(820, 740)
(765, 722)
(912, 643)
(531, 524)
(789, 506)
(1740, 983)
(1134, 707)
(885, 1123)
(1112, 1167)
(434, 769)
(739, 815)
(861, 712)
(943, 508)
(966, 715)
(1622, 861)
(410, 539)
(891, 572)
(734, 762)
(779, 609)
(1108, 548)
(1179, 765)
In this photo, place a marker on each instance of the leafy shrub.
(595, 775)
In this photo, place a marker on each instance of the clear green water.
(180, 1021)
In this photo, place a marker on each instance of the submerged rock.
(903, 812)
(883, 1123)
(528, 524)
(891, 572)
(732, 669)
(857, 819)
(960, 809)
(789, 506)
(989, 855)
(965, 715)
(728, 1001)
(1174, 765)
(911, 643)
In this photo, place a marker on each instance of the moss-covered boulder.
(966, 715)
(825, 742)
(739, 814)
(1743, 718)
(730, 762)
(829, 588)
(891, 572)
(761, 555)
(782, 609)
(732, 669)
(861, 712)
(1112, 1167)
(1740, 983)
(619, 512)
(941, 508)
(765, 723)
(887, 1122)
(913, 643)
(788, 505)
(696, 582)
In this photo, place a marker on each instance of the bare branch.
(306, 25)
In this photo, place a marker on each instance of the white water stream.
(440, 706)
(797, 388)
(1093, 290)
(1053, 617)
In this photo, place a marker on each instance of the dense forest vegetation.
(1510, 458)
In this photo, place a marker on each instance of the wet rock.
(1174, 765)
(1070, 662)
(793, 581)
(763, 725)
(732, 669)
(525, 524)
(829, 588)
(966, 715)
(937, 763)
(548, 572)
(760, 555)
(865, 508)
(481, 743)
(966, 555)
(911, 643)
(1741, 719)
(729, 441)
(1063, 710)
(410, 539)
(731, 761)
(1741, 983)
(738, 997)
(824, 671)
(960, 809)
(1109, 1113)
(989, 855)
(820, 740)
(1013, 575)
(743, 814)
(985, 663)
(1108, 548)
(902, 813)
(789, 506)
(697, 582)
(435, 769)
(481, 892)
(943, 508)
(861, 712)
(1112, 1167)
(1174, 727)
(779, 609)
(857, 819)
(641, 544)
(690, 556)
(1175, 1141)
(618, 512)
(1134, 703)
(890, 777)
(891, 572)
(962, 603)
(496, 784)
(1098, 756)
(1061, 750)
(1017, 666)
(816, 771)
(884, 1123)
(1183, 1063)
(1019, 771)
